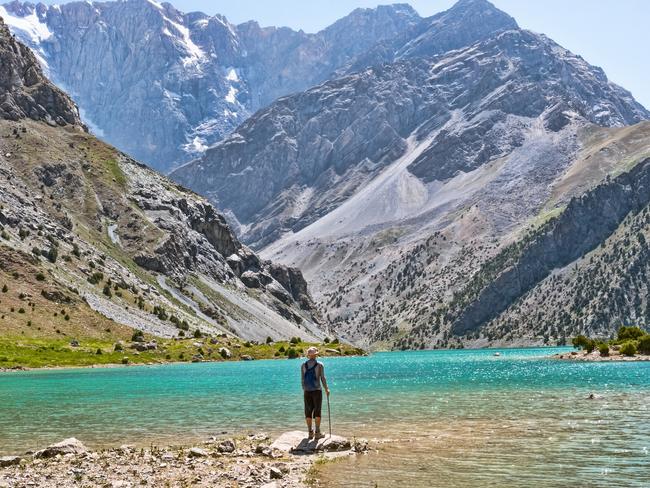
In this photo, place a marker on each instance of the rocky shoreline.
(614, 355)
(249, 461)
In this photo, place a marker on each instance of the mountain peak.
(464, 23)
(27, 93)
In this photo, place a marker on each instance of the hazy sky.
(608, 33)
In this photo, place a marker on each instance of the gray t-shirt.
(320, 374)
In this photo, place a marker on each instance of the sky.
(607, 33)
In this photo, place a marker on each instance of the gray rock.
(67, 446)
(197, 452)
(297, 441)
(6, 461)
(226, 446)
(275, 474)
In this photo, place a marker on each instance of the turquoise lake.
(453, 418)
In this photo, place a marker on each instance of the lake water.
(455, 418)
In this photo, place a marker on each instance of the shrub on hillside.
(630, 333)
(628, 349)
(138, 336)
(603, 349)
(644, 344)
(292, 353)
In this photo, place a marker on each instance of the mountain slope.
(88, 229)
(307, 153)
(174, 83)
(396, 188)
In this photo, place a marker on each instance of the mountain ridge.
(86, 228)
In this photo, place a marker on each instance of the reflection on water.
(453, 418)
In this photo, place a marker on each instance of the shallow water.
(457, 418)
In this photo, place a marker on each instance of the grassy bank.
(16, 352)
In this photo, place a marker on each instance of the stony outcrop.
(66, 446)
(25, 92)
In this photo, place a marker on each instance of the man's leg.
(317, 408)
(309, 409)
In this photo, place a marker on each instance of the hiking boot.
(310, 435)
(318, 435)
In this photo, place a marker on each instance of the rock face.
(26, 93)
(308, 153)
(174, 83)
(393, 187)
(122, 240)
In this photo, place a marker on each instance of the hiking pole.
(329, 415)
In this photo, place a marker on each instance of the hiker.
(312, 375)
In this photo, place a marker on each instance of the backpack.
(311, 380)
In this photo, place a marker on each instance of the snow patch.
(195, 53)
(31, 25)
(231, 96)
(232, 75)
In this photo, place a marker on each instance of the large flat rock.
(296, 441)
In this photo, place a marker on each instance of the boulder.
(67, 446)
(275, 474)
(246, 357)
(225, 353)
(297, 442)
(197, 452)
(226, 446)
(6, 461)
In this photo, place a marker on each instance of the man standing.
(313, 374)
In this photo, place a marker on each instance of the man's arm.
(302, 376)
(323, 379)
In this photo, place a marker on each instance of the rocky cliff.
(163, 85)
(25, 91)
(85, 226)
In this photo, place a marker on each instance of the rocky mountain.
(399, 188)
(163, 85)
(87, 229)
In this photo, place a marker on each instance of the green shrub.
(99, 351)
(580, 341)
(335, 341)
(269, 340)
(603, 349)
(138, 336)
(197, 334)
(40, 277)
(118, 347)
(248, 344)
(295, 340)
(326, 340)
(107, 290)
(629, 333)
(292, 353)
(125, 360)
(52, 254)
(584, 342)
(644, 344)
(628, 349)
(282, 349)
(5, 288)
